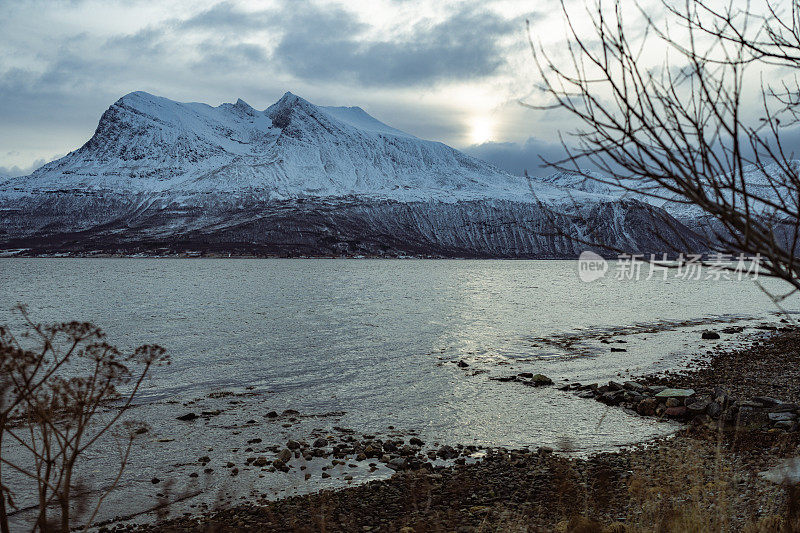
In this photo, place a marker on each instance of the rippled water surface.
(357, 334)
(377, 339)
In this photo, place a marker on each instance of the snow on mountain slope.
(593, 182)
(146, 143)
(582, 180)
(772, 184)
(299, 179)
(360, 119)
(767, 182)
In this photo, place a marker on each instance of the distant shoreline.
(4, 255)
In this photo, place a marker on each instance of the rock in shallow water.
(285, 455)
(539, 380)
(398, 463)
(611, 397)
(635, 387)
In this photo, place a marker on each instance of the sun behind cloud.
(481, 130)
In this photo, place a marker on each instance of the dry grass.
(699, 486)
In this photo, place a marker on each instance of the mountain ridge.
(300, 179)
(184, 146)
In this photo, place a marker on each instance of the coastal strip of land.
(717, 473)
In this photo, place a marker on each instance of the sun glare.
(481, 130)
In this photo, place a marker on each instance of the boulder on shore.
(647, 407)
(675, 393)
(676, 412)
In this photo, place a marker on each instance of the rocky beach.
(730, 463)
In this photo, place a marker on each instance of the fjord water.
(366, 345)
(376, 338)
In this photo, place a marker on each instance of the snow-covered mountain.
(298, 178)
(767, 186)
(146, 143)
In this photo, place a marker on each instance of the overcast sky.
(450, 71)
(445, 70)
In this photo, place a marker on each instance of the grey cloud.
(149, 41)
(790, 142)
(326, 46)
(68, 69)
(226, 57)
(10, 172)
(27, 95)
(52, 103)
(227, 16)
(326, 43)
(516, 158)
(71, 70)
(533, 154)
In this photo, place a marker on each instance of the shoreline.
(706, 471)
(191, 255)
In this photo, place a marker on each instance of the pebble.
(781, 417)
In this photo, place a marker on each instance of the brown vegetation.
(698, 126)
(55, 383)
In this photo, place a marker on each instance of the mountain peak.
(139, 94)
(138, 97)
(290, 100)
(281, 111)
(243, 107)
(147, 104)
